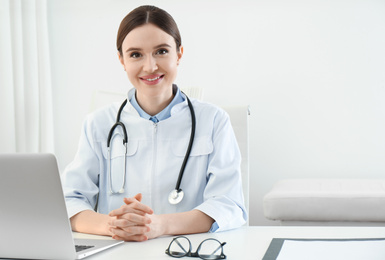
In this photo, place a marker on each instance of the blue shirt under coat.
(165, 113)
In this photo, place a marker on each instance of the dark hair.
(148, 14)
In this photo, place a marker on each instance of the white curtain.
(26, 116)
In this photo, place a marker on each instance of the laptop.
(33, 217)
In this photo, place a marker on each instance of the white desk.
(243, 243)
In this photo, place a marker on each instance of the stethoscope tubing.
(188, 152)
(125, 139)
(118, 123)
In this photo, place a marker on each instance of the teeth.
(153, 79)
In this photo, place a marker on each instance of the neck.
(152, 105)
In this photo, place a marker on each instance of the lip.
(152, 79)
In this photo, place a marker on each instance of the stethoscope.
(175, 195)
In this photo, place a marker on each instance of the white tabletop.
(244, 243)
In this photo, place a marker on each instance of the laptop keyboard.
(79, 248)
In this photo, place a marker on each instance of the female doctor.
(120, 180)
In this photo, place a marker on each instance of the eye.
(135, 55)
(162, 51)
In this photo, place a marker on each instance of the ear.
(121, 60)
(179, 54)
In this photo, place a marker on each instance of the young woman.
(127, 172)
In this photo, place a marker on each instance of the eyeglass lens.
(180, 247)
(210, 249)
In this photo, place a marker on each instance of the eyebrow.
(156, 47)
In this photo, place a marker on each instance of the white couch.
(358, 202)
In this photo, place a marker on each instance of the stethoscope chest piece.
(175, 196)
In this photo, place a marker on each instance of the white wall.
(311, 70)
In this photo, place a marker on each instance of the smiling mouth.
(152, 79)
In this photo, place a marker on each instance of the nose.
(150, 64)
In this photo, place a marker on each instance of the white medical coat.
(155, 152)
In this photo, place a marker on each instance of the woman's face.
(150, 59)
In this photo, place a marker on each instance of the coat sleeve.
(223, 195)
(80, 178)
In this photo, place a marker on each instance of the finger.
(128, 210)
(134, 206)
(142, 207)
(136, 238)
(127, 232)
(130, 220)
(134, 201)
(138, 197)
(136, 230)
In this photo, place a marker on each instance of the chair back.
(239, 117)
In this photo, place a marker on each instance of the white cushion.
(326, 200)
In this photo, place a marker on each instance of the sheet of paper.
(332, 250)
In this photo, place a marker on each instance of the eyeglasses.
(208, 249)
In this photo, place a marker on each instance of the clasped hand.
(132, 221)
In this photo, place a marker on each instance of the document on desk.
(321, 249)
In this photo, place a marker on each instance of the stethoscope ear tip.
(121, 191)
